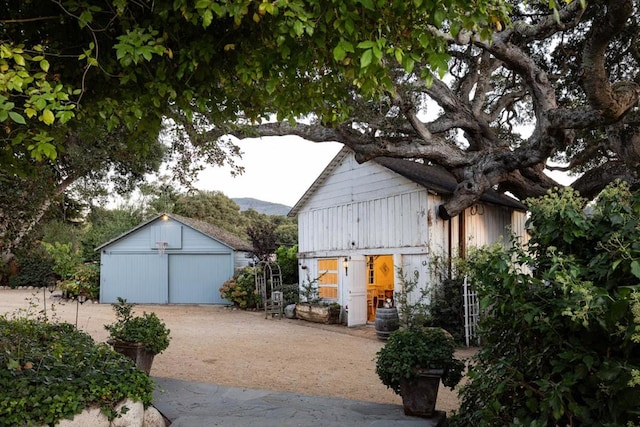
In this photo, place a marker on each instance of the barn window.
(370, 275)
(328, 281)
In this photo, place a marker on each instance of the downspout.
(450, 244)
(462, 233)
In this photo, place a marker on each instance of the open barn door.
(356, 282)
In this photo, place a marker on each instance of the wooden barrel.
(387, 321)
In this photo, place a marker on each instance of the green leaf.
(366, 58)
(48, 117)
(367, 44)
(44, 65)
(339, 53)
(16, 117)
(368, 4)
(399, 54)
(635, 268)
(207, 18)
(19, 59)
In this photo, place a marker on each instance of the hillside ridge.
(262, 206)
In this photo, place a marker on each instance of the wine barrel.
(387, 321)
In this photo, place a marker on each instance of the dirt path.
(215, 344)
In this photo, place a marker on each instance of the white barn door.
(356, 282)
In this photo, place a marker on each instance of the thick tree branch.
(610, 101)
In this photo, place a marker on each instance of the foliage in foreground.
(51, 371)
(561, 345)
(416, 348)
(148, 329)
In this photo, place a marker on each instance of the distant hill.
(261, 206)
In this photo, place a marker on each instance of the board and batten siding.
(396, 221)
(359, 206)
(487, 224)
(191, 270)
(140, 278)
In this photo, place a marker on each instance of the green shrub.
(35, 269)
(241, 289)
(147, 329)
(291, 293)
(65, 258)
(560, 327)
(84, 280)
(446, 308)
(409, 350)
(287, 259)
(51, 371)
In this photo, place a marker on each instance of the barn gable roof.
(208, 229)
(433, 177)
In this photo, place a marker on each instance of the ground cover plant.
(560, 328)
(50, 371)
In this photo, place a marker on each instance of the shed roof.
(213, 231)
(433, 177)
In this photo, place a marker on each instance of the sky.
(277, 169)
(281, 169)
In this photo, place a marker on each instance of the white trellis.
(471, 313)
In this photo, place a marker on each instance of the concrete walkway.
(189, 404)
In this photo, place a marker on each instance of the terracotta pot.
(419, 396)
(142, 357)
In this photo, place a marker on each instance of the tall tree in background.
(213, 207)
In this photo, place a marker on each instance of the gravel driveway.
(221, 345)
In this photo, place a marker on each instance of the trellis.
(471, 313)
(268, 279)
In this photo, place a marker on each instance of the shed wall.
(192, 269)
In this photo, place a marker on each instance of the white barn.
(171, 259)
(359, 223)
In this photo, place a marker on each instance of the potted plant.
(138, 337)
(412, 363)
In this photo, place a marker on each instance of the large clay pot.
(136, 352)
(386, 322)
(419, 396)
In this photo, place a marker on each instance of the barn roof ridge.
(213, 231)
(432, 177)
(223, 236)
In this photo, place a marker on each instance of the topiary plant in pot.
(412, 363)
(138, 337)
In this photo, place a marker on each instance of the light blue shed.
(170, 259)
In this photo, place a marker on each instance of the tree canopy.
(550, 89)
(492, 90)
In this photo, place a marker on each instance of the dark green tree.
(262, 233)
(104, 225)
(213, 207)
(93, 90)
